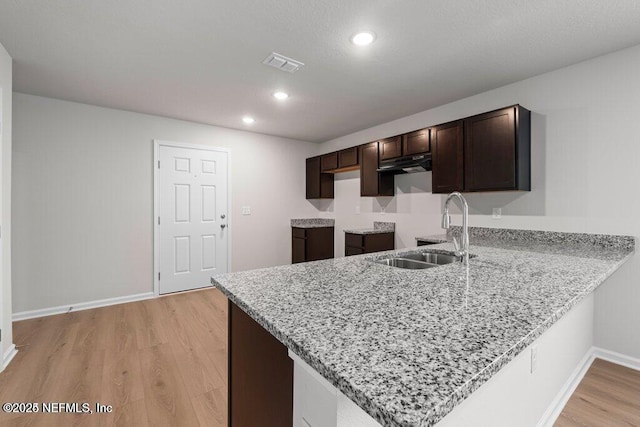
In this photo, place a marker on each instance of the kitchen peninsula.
(410, 346)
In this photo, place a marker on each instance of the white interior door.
(192, 227)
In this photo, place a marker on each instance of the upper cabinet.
(416, 142)
(318, 185)
(340, 161)
(373, 183)
(447, 157)
(329, 162)
(497, 150)
(487, 152)
(390, 148)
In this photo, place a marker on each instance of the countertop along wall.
(6, 83)
(585, 141)
(83, 199)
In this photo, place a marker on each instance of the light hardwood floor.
(608, 395)
(159, 362)
(163, 362)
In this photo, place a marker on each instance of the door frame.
(157, 143)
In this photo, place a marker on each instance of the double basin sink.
(419, 260)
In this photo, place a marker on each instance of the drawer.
(350, 250)
(299, 233)
(355, 240)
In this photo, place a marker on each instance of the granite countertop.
(313, 222)
(407, 346)
(379, 227)
(435, 238)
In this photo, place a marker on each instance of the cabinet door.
(297, 250)
(260, 375)
(447, 152)
(348, 157)
(329, 161)
(490, 151)
(313, 178)
(390, 148)
(378, 242)
(372, 183)
(319, 243)
(415, 142)
(318, 185)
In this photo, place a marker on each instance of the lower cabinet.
(311, 244)
(356, 244)
(260, 375)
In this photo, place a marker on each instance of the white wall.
(6, 67)
(585, 174)
(83, 198)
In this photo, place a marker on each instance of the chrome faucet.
(446, 224)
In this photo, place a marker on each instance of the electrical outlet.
(246, 210)
(497, 213)
(534, 358)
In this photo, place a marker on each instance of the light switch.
(246, 210)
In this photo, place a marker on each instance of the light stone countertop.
(312, 222)
(379, 227)
(407, 346)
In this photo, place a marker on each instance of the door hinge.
(158, 164)
(158, 220)
(158, 275)
(0, 334)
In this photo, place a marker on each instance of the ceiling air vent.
(282, 63)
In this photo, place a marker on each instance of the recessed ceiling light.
(248, 120)
(363, 38)
(280, 96)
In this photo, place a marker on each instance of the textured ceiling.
(201, 60)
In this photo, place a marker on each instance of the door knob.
(223, 225)
(223, 216)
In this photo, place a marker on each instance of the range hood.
(406, 164)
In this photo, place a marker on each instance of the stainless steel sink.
(406, 263)
(432, 258)
(419, 260)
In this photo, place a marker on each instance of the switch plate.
(357, 209)
(246, 210)
(497, 213)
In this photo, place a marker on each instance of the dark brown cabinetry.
(487, 152)
(373, 183)
(390, 148)
(348, 158)
(497, 150)
(447, 156)
(416, 142)
(329, 162)
(356, 244)
(260, 375)
(318, 185)
(311, 244)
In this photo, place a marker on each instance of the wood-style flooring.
(163, 362)
(607, 396)
(158, 362)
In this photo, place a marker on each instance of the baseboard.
(23, 315)
(617, 358)
(557, 405)
(8, 356)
